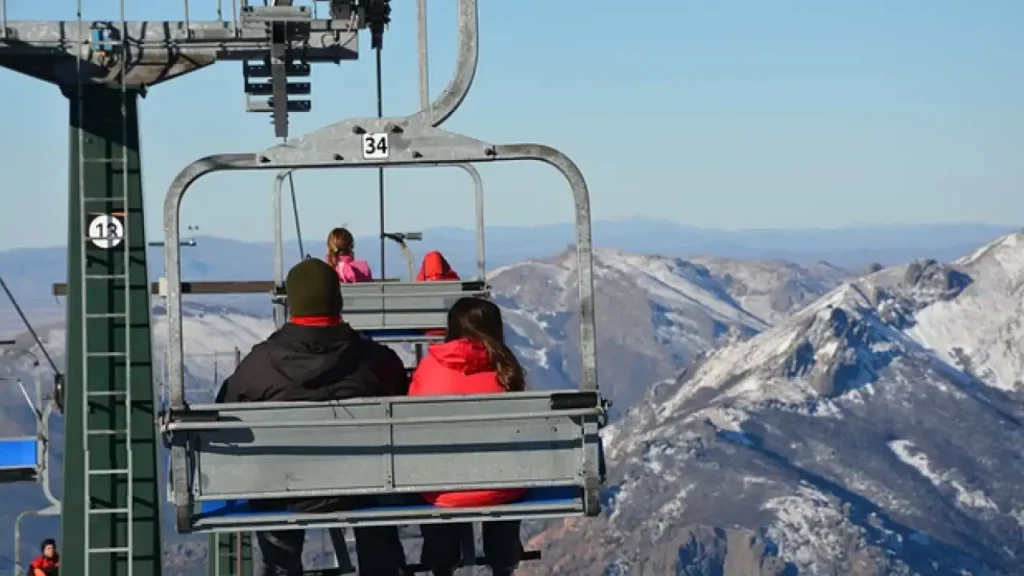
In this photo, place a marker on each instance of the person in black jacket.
(316, 356)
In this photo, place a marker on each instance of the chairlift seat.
(235, 453)
(404, 309)
(19, 459)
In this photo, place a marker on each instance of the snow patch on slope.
(680, 281)
(908, 454)
(798, 531)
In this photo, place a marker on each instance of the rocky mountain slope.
(655, 313)
(878, 431)
(772, 290)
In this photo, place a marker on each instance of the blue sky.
(777, 114)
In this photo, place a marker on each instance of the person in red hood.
(47, 563)
(473, 360)
(435, 269)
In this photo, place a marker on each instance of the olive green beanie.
(313, 289)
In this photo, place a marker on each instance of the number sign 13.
(106, 231)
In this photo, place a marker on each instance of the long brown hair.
(480, 320)
(339, 241)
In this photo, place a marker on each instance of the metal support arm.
(465, 69)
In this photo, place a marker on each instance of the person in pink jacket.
(341, 256)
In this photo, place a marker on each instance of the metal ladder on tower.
(116, 236)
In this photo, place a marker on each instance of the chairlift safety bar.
(382, 517)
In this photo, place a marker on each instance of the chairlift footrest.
(575, 400)
(191, 415)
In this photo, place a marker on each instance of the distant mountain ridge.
(31, 271)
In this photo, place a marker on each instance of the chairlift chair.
(225, 456)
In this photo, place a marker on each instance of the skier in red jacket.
(473, 360)
(47, 563)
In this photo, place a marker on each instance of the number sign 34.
(375, 146)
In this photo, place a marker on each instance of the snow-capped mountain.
(982, 330)
(877, 431)
(654, 313)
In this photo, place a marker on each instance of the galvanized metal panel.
(402, 305)
(531, 452)
(313, 450)
(237, 462)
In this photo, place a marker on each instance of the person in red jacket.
(47, 563)
(473, 360)
(435, 269)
